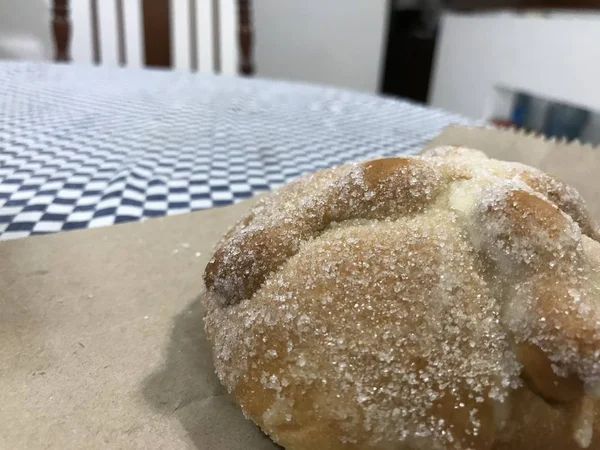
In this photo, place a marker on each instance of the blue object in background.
(520, 110)
(564, 121)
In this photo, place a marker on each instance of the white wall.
(338, 42)
(555, 56)
(25, 29)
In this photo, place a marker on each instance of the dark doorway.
(409, 54)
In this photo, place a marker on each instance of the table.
(84, 146)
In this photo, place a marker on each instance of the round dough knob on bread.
(446, 301)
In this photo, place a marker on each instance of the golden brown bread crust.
(441, 302)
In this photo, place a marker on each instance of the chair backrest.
(206, 35)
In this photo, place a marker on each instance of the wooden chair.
(181, 34)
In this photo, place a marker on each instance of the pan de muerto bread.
(448, 301)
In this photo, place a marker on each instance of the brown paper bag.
(101, 334)
(102, 342)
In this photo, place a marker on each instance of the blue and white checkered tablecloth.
(86, 147)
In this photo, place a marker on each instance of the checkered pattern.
(86, 147)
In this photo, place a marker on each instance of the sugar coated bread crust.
(446, 301)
